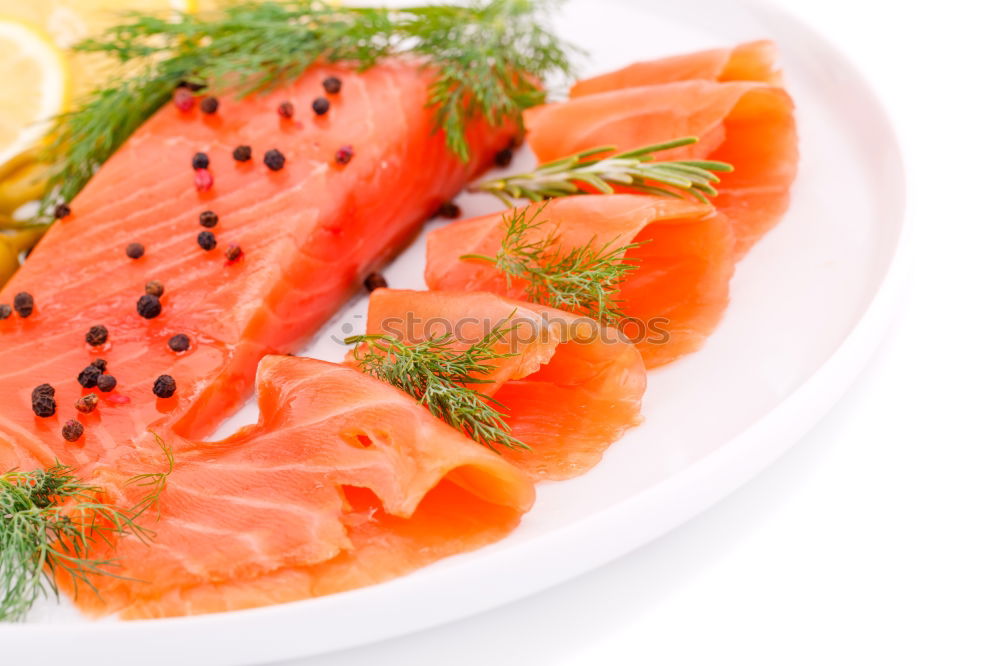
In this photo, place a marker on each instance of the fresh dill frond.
(582, 279)
(50, 522)
(155, 481)
(440, 376)
(634, 169)
(490, 59)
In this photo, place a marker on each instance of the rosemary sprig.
(49, 523)
(490, 58)
(582, 279)
(439, 376)
(635, 169)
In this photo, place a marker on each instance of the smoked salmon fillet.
(752, 61)
(344, 481)
(672, 301)
(569, 389)
(347, 191)
(748, 124)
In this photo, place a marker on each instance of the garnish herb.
(581, 279)
(155, 481)
(439, 376)
(49, 524)
(488, 57)
(601, 171)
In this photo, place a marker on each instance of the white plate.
(809, 303)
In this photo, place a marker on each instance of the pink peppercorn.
(344, 154)
(183, 99)
(203, 180)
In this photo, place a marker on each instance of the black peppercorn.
(242, 153)
(24, 304)
(87, 403)
(206, 240)
(234, 252)
(331, 84)
(321, 105)
(88, 376)
(199, 161)
(164, 386)
(148, 306)
(43, 401)
(210, 105)
(97, 336)
(179, 343)
(344, 154)
(5, 311)
(286, 110)
(61, 211)
(72, 430)
(154, 288)
(449, 211)
(208, 219)
(504, 157)
(134, 250)
(274, 160)
(375, 281)
(100, 364)
(107, 383)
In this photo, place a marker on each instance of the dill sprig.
(490, 59)
(582, 279)
(635, 169)
(155, 481)
(50, 522)
(439, 375)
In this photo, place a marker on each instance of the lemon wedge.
(36, 86)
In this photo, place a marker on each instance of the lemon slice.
(35, 86)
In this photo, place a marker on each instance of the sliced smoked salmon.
(746, 124)
(752, 61)
(673, 299)
(569, 389)
(344, 481)
(348, 189)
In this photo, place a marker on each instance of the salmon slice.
(752, 61)
(344, 481)
(309, 233)
(749, 125)
(672, 301)
(569, 389)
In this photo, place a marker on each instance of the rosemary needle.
(635, 169)
(439, 375)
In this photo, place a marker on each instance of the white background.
(877, 539)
